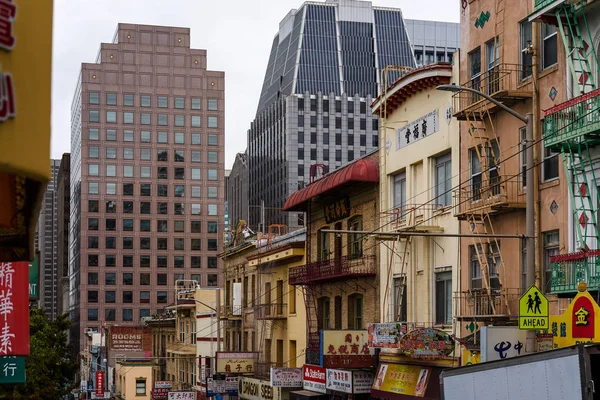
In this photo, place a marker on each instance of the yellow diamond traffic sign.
(533, 310)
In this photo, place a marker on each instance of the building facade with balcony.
(279, 311)
(571, 127)
(419, 169)
(522, 68)
(164, 336)
(340, 280)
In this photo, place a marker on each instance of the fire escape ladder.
(499, 32)
(577, 49)
(312, 323)
(481, 246)
(575, 159)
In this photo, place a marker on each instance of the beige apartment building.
(518, 63)
(419, 170)
(147, 176)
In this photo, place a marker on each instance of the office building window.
(94, 98)
(195, 121)
(212, 280)
(195, 104)
(145, 101)
(212, 122)
(180, 102)
(93, 314)
(212, 104)
(128, 117)
(145, 119)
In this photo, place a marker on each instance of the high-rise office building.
(433, 41)
(323, 73)
(63, 198)
(47, 243)
(237, 190)
(147, 176)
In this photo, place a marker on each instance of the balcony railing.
(568, 270)
(573, 120)
(231, 312)
(498, 195)
(501, 82)
(487, 303)
(333, 269)
(271, 311)
(413, 217)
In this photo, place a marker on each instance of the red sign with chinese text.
(99, 384)
(583, 318)
(346, 349)
(14, 309)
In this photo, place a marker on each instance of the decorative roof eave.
(414, 82)
(361, 170)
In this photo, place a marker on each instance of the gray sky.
(237, 35)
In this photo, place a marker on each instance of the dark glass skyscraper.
(323, 73)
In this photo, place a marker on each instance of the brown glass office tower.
(147, 176)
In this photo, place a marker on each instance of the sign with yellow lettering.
(533, 310)
(339, 209)
(577, 324)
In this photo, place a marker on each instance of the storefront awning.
(362, 170)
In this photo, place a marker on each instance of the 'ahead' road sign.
(533, 310)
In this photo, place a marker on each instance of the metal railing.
(481, 303)
(410, 216)
(501, 78)
(568, 270)
(229, 311)
(542, 3)
(333, 269)
(271, 311)
(572, 119)
(474, 197)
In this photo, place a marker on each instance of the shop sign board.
(386, 335)
(34, 278)
(163, 384)
(182, 395)
(286, 377)
(231, 385)
(314, 378)
(337, 209)
(427, 343)
(12, 370)
(577, 324)
(339, 380)
(500, 342)
(361, 382)
(418, 129)
(545, 342)
(533, 310)
(346, 349)
(254, 389)
(410, 380)
(14, 309)
(235, 363)
(100, 383)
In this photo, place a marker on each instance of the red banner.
(14, 309)
(99, 384)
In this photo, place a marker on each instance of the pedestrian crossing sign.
(533, 310)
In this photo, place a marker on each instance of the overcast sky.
(237, 35)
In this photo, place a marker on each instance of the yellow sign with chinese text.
(533, 310)
(25, 80)
(577, 324)
(236, 363)
(409, 380)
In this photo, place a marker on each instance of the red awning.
(363, 170)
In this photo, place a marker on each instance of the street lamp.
(529, 211)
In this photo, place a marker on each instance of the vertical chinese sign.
(25, 80)
(100, 384)
(14, 320)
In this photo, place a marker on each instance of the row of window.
(325, 155)
(110, 242)
(145, 225)
(146, 172)
(128, 117)
(161, 208)
(127, 314)
(146, 137)
(146, 101)
(338, 139)
(110, 279)
(162, 190)
(338, 122)
(110, 260)
(337, 104)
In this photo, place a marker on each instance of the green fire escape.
(572, 128)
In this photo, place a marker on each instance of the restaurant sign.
(346, 349)
(386, 335)
(410, 380)
(235, 363)
(314, 378)
(427, 343)
(286, 377)
(336, 210)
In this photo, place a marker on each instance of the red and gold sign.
(14, 309)
(339, 209)
(346, 349)
(583, 319)
(577, 324)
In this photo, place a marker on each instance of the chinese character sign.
(339, 209)
(99, 383)
(235, 363)
(419, 129)
(577, 324)
(346, 349)
(14, 309)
